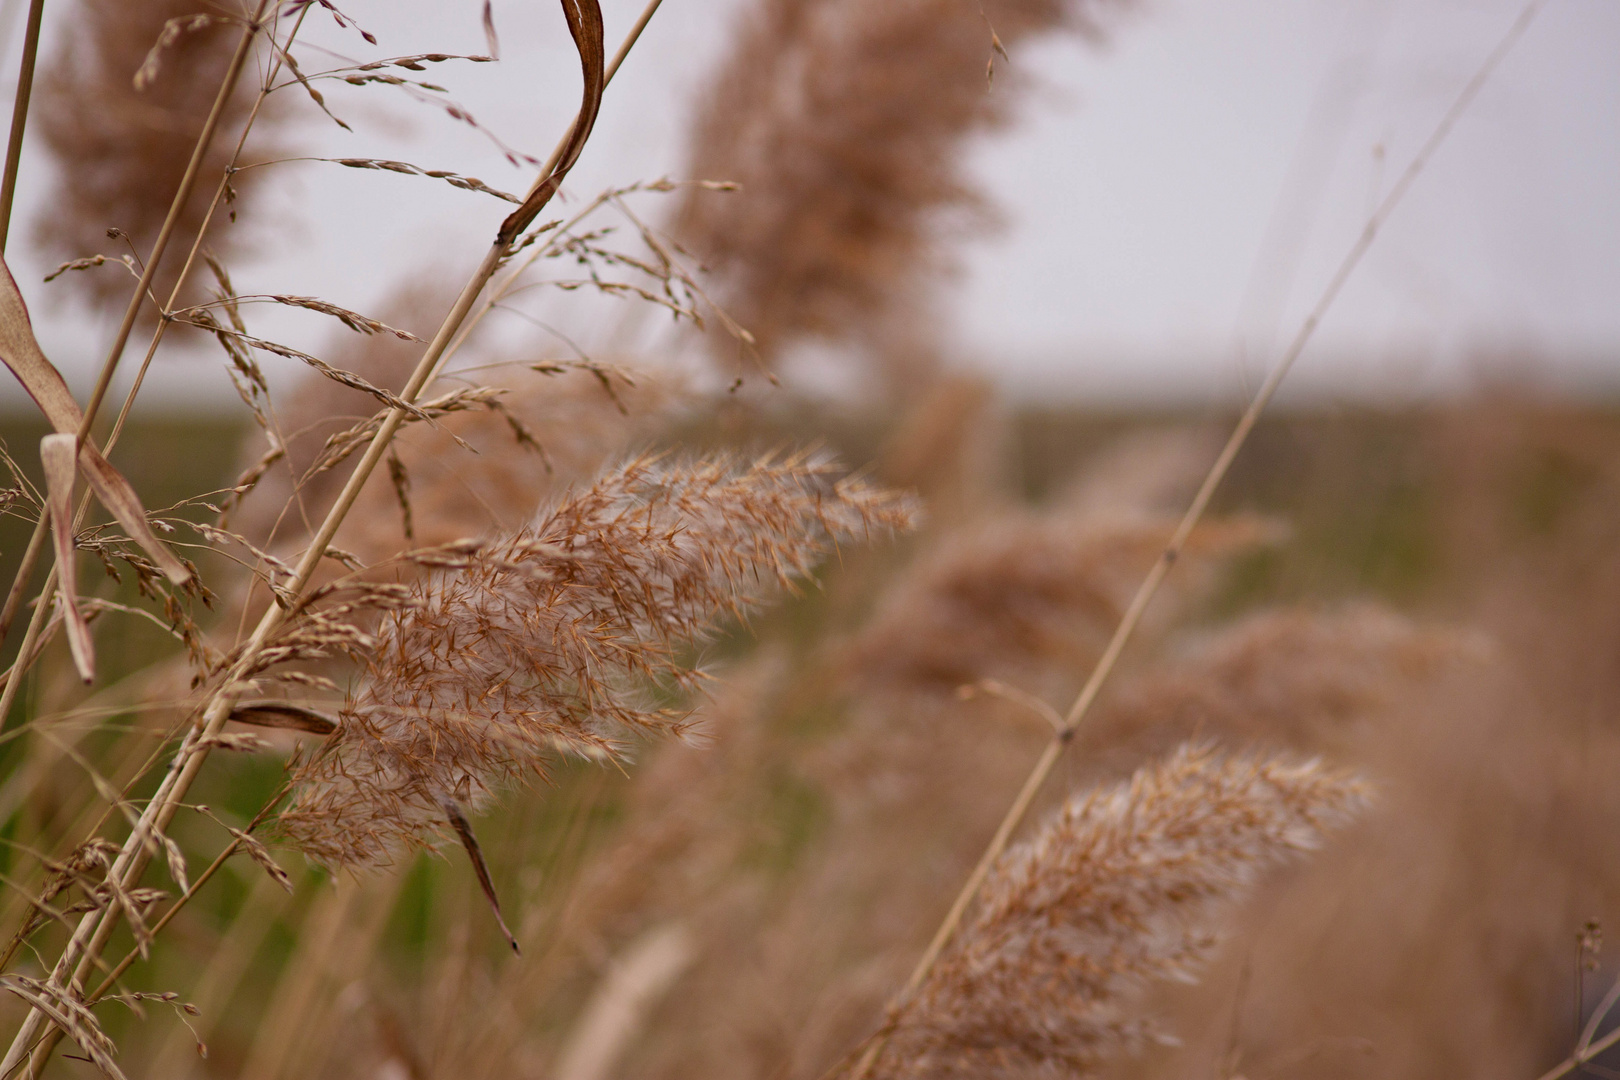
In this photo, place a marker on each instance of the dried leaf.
(283, 716)
(56, 454)
(21, 352)
(585, 24)
(459, 822)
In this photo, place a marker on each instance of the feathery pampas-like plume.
(843, 122)
(552, 640)
(1120, 887)
(120, 149)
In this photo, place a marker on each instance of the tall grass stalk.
(95, 929)
(19, 122)
(115, 351)
(1087, 697)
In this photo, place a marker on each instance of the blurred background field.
(1483, 525)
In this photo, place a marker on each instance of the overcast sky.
(1173, 203)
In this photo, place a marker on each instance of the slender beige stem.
(188, 183)
(19, 117)
(1167, 558)
(19, 583)
(96, 928)
(27, 652)
(115, 352)
(1581, 1057)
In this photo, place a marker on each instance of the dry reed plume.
(848, 788)
(1123, 885)
(120, 111)
(844, 123)
(552, 640)
(1030, 595)
(1312, 681)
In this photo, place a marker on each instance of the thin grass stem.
(19, 118)
(95, 930)
(1189, 520)
(115, 352)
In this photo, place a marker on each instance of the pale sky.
(1173, 203)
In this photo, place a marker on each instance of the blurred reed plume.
(550, 641)
(1312, 681)
(1122, 886)
(845, 123)
(1030, 596)
(119, 113)
(507, 441)
(847, 787)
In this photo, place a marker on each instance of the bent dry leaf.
(585, 24)
(464, 833)
(22, 354)
(56, 455)
(283, 716)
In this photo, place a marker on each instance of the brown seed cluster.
(1120, 887)
(564, 638)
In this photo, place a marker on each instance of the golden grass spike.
(71, 1016)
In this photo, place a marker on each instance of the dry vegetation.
(530, 649)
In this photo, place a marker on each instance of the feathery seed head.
(842, 122)
(550, 640)
(1121, 886)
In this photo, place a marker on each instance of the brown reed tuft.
(120, 151)
(1029, 595)
(849, 790)
(1122, 886)
(1314, 682)
(560, 639)
(844, 122)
